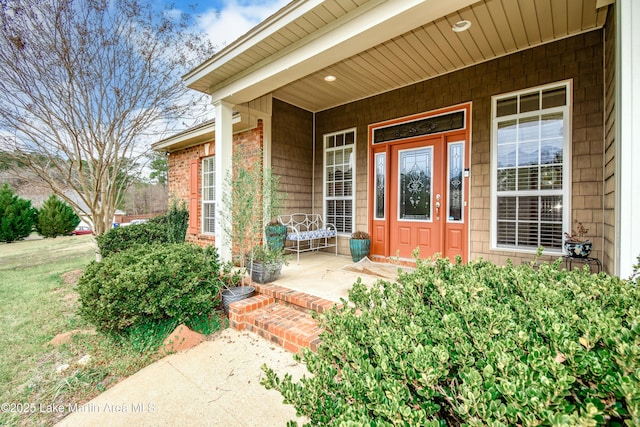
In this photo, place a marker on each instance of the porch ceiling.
(397, 51)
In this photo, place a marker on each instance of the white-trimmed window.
(530, 168)
(339, 179)
(208, 195)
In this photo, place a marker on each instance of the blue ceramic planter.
(359, 248)
(275, 236)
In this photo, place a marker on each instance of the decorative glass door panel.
(455, 181)
(380, 185)
(416, 175)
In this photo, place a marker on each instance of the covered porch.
(352, 103)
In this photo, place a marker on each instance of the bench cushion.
(313, 234)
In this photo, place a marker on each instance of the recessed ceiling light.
(329, 78)
(461, 26)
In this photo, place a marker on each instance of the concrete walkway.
(216, 383)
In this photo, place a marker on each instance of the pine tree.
(17, 217)
(56, 218)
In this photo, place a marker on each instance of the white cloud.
(234, 18)
(223, 21)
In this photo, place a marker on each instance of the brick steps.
(285, 326)
(281, 315)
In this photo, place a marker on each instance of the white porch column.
(627, 135)
(266, 141)
(223, 161)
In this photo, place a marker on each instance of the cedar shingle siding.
(579, 58)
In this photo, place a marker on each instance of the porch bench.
(308, 232)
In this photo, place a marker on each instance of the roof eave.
(266, 28)
(190, 137)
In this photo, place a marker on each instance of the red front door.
(418, 192)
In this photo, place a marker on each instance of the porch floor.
(328, 276)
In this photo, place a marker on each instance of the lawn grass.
(37, 302)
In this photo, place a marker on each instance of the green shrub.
(168, 228)
(474, 345)
(122, 238)
(176, 221)
(56, 218)
(17, 217)
(151, 283)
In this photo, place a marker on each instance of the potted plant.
(253, 199)
(575, 243)
(244, 225)
(359, 245)
(234, 288)
(265, 264)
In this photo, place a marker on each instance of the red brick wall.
(179, 173)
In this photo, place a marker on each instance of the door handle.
(438, 207)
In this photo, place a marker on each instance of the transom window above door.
(530, 168)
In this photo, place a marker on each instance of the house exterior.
(460, 127)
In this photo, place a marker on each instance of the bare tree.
(85, 85)
(144, 198)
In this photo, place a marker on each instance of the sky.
(223, 21)
(226, 20)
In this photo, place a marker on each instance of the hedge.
(122, 238)
(168, 228)
(476, 344)
(150, 283)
